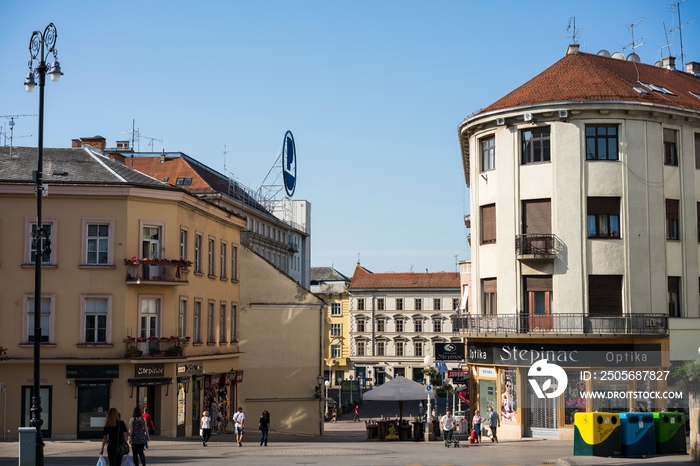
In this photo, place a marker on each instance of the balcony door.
(537, 220)
(538, 302)
(150, 247)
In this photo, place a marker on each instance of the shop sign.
(458, 376)
(449, 351)
(487, 372)
(149, 370)
(582, 355)
(190, 369)
(92, 372)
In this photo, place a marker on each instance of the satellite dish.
(289, 163)
(659, 64)
(618, 55)
(633, 57)
(604, 53)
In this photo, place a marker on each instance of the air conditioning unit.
(527, 117)
(563, 113)
(500, 121)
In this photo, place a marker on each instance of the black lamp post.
(232, 402)
(40, 45)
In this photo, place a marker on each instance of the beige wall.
(281, 325)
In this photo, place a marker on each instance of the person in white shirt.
(239, 418)
(447, 423)
(205, 426)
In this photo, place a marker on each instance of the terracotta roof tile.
(363, 278)
(171, 168)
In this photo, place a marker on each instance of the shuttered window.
(697, 151)
(674, 296)
(537, 217)
(488, 224)
(488, 288)
(538, 296)
(672, 224)
(603, 217)
(670, 151)
(605, 294)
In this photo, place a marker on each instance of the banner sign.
(449, 351)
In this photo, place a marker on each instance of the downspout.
(320, 366)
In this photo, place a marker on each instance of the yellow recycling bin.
(597, 434)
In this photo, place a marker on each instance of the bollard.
(27, 446)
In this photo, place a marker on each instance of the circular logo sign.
(428, 388)
(289, 164)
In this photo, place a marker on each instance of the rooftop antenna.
(136, 137)
(456, 263)
(680, 26)
(150, 143)
(635, 43)
(573, 29)
(358, 258)
(134, 132)
(668, 44)
(12, 129)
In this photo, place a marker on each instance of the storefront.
(93, 384)
(536, 386)
(146, 387)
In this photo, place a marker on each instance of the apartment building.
(585, 235)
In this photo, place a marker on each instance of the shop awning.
(148, 382)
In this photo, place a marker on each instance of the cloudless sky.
(372, 90)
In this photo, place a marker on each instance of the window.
(149, 318)
(49, 232)
(222, 323)
(335, 309)
(601, 142)
(698, 215)
(360, 325)
(335, 351)
(488, 288)
(399, 348)
(697, 150)
(399, 304)
(488, 153)
(360, 348)
(437, 325)
(335, 330)
(399, 325)
(380, 324)
(418, 348)
(437, 304)
(197, 336)
(670, 151)
(98, 242)
(95, 310)
(46, 318)
(234, 321)
(603, 217)
(380, 348)
(605, 294)
(360, 304)
(198, 253)
(535, 144)
(183, 182)
(538, 295)
(183, 244)
(234, 262)
(418, 303)
(223, 260)
(455, 304)
(182, 319)
(674, 296)
(418, 324)
(211, 257)
(210, 322)
(488, 224)
(380, 304)
(150, 241)
(672, 230)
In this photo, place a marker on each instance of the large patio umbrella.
(398, 389)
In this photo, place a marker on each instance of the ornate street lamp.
(327, 384)
(428, 361)
(40, 45)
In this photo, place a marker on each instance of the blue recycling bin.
(637, 432)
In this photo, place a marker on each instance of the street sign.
(428, 388)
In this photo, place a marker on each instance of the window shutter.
(538, 283)
(672, 208)
(489, 285)
(488, 224)
(537, 217)
(674, 284)
(605, 295)
(603, 205)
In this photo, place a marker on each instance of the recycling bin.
(669, 430)
(637, 433)
(597, 434)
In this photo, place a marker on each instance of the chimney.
(117, 157)
(668, 63)
(693, 68)
(75, 143)
(97, 142)
(162, 156)
(572, 49)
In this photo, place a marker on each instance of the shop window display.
(508, 400)
(573, 398)
(216, 402)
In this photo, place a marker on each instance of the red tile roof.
(363, 278)
(172, 168)
(585, 77)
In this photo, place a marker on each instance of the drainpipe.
(321, 365)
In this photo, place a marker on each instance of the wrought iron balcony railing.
(536, 246)
(625, 324)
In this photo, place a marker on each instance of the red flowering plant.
(157, 261)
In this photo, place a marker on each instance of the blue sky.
(372, 90)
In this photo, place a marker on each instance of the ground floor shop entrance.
(45, 394)
(93, 404)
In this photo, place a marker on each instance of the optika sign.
(523, 357)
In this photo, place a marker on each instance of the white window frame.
(381, 348)
(361, 348)
(161, 240)
(159, 314)
(234, 322)
(197, 322)
(336, 309)
(27, 311)
(336, 330)
(86, 222)
(418, 348)
(83, 316)
(182, 317)
(211, 267)
(222, 322)
(222, 259)
(234, 263)
(198, 252)
(184, 233)
(28, 222)
(335, 351)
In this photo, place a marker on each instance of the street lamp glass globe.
(29, 83)
(428, 360)
(55, 72)
(327, 383)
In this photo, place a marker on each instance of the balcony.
(156, 272)
(536, 247)
(573, 324)
(154, 347)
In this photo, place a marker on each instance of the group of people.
(448, 423)
(239, 427)
(136, 434)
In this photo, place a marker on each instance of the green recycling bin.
(669, 432)
(597, 434)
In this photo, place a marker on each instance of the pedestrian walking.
(420, 408)
(357, 413)
(447, 423)
(114, 433)
(205, 427)
(494, 424)
(477, 420)
(239, 419)
(138, 436)
(264, 427)
(150, 425)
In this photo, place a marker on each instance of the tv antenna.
(573, 29)
(11, 123)
(638, 42)
(136, 137)
(680, 26)
(668, 44)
